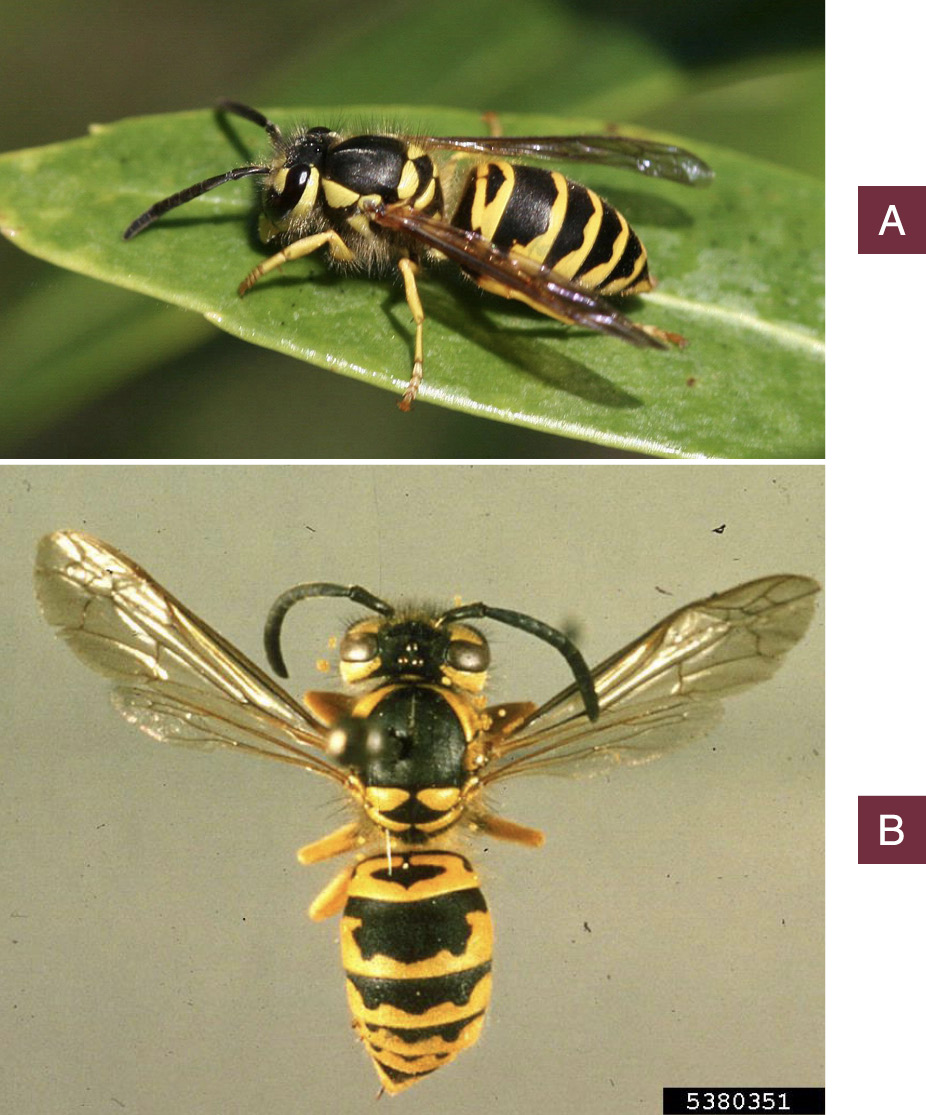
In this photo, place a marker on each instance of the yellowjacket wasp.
(415, 745)
(518, 231)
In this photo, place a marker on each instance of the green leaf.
(771, 107)
(741, 266)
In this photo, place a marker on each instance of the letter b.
(894, 831)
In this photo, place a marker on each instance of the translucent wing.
(175, 678)
(664, 690)
(551, 293)
(656, 160)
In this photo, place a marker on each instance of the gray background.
(157, 958)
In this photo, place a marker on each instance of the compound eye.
(472, 658)
(359, 646)
(278, 204)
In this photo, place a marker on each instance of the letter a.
(895, 223)
(895, 829)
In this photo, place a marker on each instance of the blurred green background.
(747, 74)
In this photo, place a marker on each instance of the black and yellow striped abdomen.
(550, 220)
(416, 943)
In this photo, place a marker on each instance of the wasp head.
(415, 648)
(290, 190)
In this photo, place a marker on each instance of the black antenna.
(541, 630)
(183, 196)
(255, 116)
(199, 188)
(274, 625)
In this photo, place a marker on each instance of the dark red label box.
(892, 829)
(892, 220)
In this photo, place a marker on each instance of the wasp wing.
(538, 285)
(665, 689)
(646, 156)
(175, 678)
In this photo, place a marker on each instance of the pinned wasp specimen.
(519, 231)
(413, 741)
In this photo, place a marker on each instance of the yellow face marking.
(266, 229)
(352, 671)
(277, 180)
(306, 203)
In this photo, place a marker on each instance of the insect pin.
(412, 742)
(377, 201)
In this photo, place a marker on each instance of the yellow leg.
(333, 898)
(409, 270)
(336, 843)
(509, 830)
(296, 250)
(662, 335)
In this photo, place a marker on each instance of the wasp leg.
(509, 830)
(409, 270)
(333, 898)
(493, 123)
(662, 335)
(336, 843)
(296, 250)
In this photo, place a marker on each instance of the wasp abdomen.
(566, 227)
(416, 942)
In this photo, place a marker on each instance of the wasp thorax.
(356, 742)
